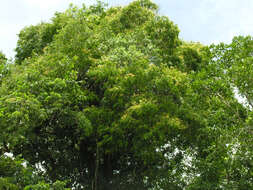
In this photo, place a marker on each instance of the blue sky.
(205, 21)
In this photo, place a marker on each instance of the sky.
(204, 21)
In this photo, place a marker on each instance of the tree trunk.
(95, 182)
(107, 172)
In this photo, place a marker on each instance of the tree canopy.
(110, 98)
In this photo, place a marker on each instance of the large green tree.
(111, 98)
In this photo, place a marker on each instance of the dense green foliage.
(15, 175)
(110, 98)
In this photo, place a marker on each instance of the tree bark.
(95, 184)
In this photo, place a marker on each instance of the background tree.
(235, 61)
(3, 66)
(3, 59)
